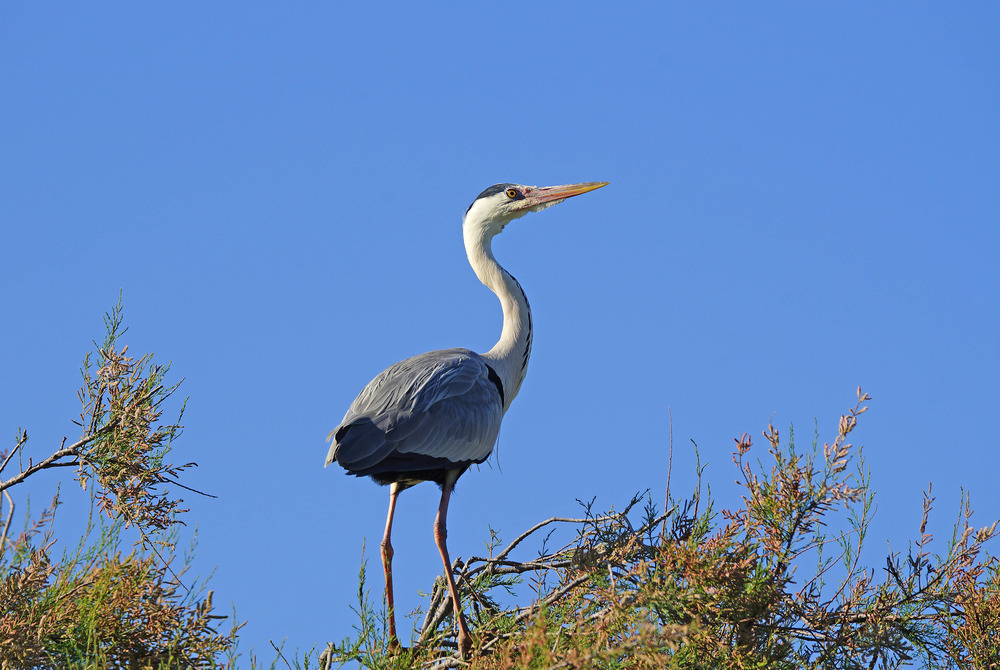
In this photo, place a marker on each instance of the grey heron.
(430, 417)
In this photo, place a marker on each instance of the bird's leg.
(440, 537)
(386, 546)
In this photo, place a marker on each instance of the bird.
(432, 416)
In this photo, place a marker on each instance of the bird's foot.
(464, 639)
(396, 650)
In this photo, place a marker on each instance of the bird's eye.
(511, 193)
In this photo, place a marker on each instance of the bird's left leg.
(394, 491)
(440, 537)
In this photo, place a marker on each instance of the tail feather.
(358, 446)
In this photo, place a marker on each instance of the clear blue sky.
(803, 199)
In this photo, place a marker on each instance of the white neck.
(509, 357)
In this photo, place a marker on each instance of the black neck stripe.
(495, 378)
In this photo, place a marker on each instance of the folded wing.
(439, 410)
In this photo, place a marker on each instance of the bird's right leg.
(386, 546)
(440, 538)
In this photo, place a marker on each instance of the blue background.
(803, 199)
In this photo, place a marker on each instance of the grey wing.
(437, 410)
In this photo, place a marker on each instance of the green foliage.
(775, 583)
(124, 443)
(106, 602)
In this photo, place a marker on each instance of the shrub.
(768, 584)
(107, 602)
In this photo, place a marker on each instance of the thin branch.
(670, 466)
(6, 526)
(42, 465)
(167, 480)
(542, 524)
(280, 655)
(431, 623)
(525, 612)
(72, 450)
(21, 440)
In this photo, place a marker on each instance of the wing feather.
(440, 405)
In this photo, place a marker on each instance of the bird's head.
(500, 204)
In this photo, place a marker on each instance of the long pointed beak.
(554, 194)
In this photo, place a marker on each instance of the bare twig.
(22, 438)
(42, 465)
(525, 612)
(670, 466)
(542, 524)
(280, 655)
(6, 525)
